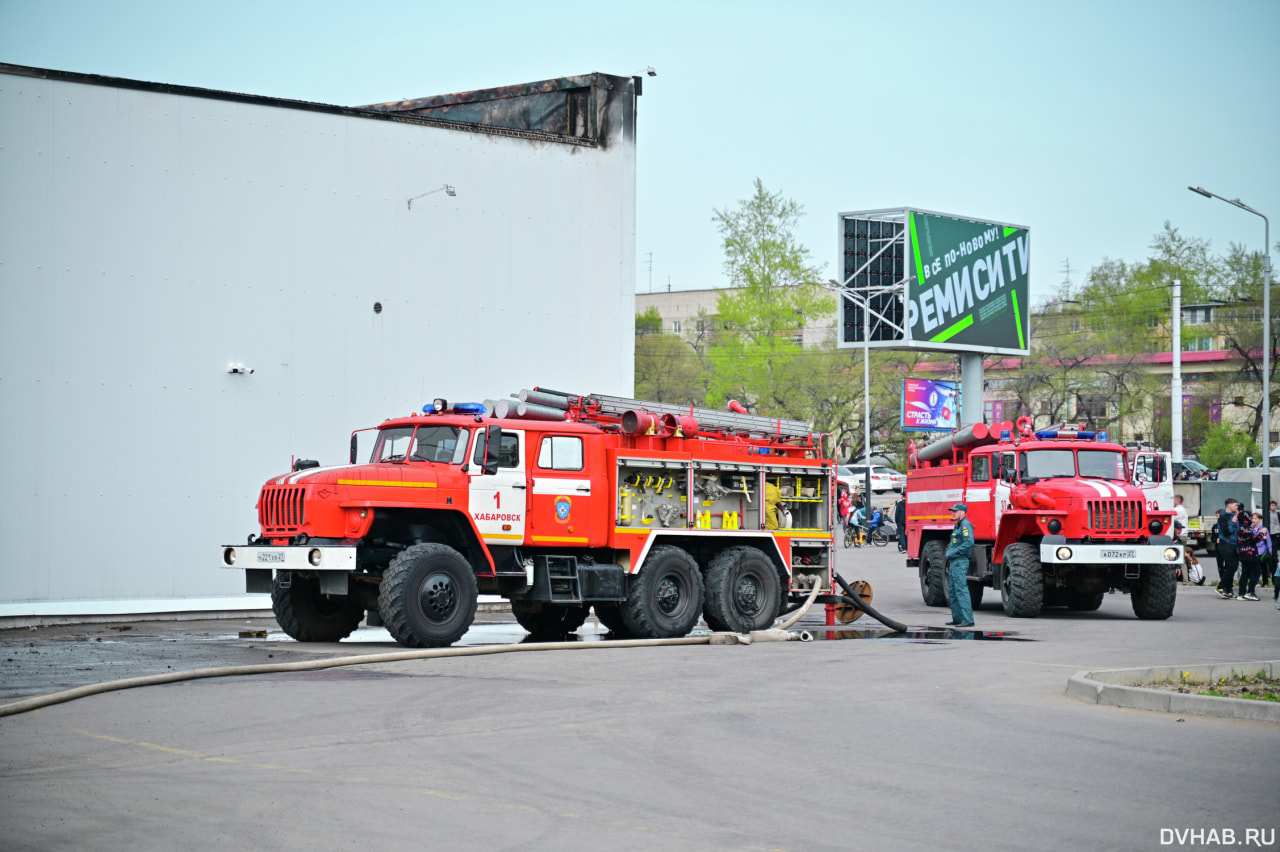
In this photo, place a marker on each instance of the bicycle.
(854, 536)
(879, 537)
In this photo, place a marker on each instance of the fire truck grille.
(1115, 516)
(280, 509)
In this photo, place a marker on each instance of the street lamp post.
(1266, 339)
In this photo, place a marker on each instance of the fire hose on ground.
(774, 634)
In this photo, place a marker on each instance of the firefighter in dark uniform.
(958, 553)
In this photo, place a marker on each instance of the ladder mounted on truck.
(641, 417)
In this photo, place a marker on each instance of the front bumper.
(1111, 554)
(303, 557)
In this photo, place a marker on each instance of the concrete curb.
(1122, 688)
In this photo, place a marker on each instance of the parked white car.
(854, 476)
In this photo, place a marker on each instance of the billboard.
(929, 405)
(915, 279)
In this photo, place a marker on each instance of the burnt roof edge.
(518, 90)
(285, 103)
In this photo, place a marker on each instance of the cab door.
(1007, 474)
(566, 498)
(498, 502)
(1152, 473)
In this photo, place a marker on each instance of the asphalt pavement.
(865, 743)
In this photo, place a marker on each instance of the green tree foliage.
(1093, 348)
(670, 367)
(1225, 446)
(753, 349)
(1239, 326)
(757, 354)
(649, 322)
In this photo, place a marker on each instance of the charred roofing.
(587, 110)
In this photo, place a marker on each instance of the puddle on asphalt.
(913, 634)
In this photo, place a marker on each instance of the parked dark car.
(1192, 469)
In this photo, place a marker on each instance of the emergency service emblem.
(564, 507)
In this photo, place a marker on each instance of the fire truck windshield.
(1096, 464)
(443, 444)
(1103, 464)
(1045, 464)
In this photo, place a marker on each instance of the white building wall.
(148, 239)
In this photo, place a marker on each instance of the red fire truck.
(654, 514)
(1057, 518)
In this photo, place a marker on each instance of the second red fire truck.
(1058, 518)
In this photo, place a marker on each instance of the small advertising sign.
(929, 405)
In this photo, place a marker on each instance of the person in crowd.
(1247, 540)
(1273, 532)
(1179, 520)
(1228, 532)
(1266, 556)
(844, 505)
(900, 519)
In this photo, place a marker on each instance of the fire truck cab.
(1060, 518)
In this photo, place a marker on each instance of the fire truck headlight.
(1170, 554)
(1064, 553)
(1155, 526)
(229, 556)
(314, 556)
(1055, 526)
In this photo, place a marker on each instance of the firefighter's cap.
(959, 507)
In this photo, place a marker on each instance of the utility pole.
(1266, 338)
(1175, 431)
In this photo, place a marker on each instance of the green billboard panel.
(969, 287)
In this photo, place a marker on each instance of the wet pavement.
(47, 659)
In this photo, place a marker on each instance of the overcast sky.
(1084, 121)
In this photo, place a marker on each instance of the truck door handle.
(586, 490)
(520, 485)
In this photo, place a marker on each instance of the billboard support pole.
(866, 414)
(971, 396)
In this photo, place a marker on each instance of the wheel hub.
(746, 596)
(438, 597)
(669, 595)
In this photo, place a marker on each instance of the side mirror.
(354, 444)
(492, 443)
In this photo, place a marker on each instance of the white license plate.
(1119, 554)
(264, 556)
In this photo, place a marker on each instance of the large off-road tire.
(664, 600)
(428, 596)
(309, 616)
(1022, 588)
(975, 595)
(1082, 601)
(548, 619)
(743, 592)
(933, 573)
(610, 615)
(1155, 593)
